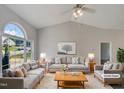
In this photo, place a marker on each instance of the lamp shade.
(42, 55)
(91, 56)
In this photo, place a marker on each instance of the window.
(15, 30)
(15, 48)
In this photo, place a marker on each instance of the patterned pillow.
(11, 73)
(27, 66)
(75, 60)
(57, 60)
(34, 65)
(107, 66)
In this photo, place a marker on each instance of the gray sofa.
(105, 72)
(34, 74)
(73, 64)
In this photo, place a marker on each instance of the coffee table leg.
(57, 84)
(83, 84)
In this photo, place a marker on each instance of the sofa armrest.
(11, 83)
(98, 67)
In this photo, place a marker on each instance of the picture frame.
(66, 48)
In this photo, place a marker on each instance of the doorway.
(105, 52)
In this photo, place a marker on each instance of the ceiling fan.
(79, 9)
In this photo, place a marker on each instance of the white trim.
(109, 51)
(1, 55)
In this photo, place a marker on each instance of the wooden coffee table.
(70, 79)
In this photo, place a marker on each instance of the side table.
(91, 66)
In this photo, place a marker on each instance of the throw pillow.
(81, 60)
(19, 73)
(63, 60)
(33, 65)
(75, 60)
(107, 66)
(57, 60)
(24, 71)
(11, 73)
(27, 66)
(69, 60)
(87, 62)
(115, 66)
(52, 61)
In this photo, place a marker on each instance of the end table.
(91, 66)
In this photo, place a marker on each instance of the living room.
(61, 44)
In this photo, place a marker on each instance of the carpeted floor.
(93, 83)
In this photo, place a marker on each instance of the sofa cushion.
(77, 66)
(34, 65)
(63, 60)
(30, 81)
(69, 60)
(27, 66)
(37, 71)
(56, 66)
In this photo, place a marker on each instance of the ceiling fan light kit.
(77, 12)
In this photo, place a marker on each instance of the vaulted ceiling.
(106, 16)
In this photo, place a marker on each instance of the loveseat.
(109, 73)
(73, 64)
(35, 73)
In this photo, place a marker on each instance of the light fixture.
(77, 12)
(43, 56)
(91, 56)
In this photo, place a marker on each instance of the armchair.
(106, 75)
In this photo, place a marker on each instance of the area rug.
(93, 83)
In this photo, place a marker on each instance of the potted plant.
(64, 68)
(5, 60)
(120, 55)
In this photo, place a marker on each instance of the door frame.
(109, 51)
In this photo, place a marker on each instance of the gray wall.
(87, 39)
(7, 16)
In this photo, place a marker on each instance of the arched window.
(14, 46)
(15, 30)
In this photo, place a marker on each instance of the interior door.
(105, 51)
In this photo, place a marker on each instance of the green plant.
(120, 55)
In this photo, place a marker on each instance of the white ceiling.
(106, 16)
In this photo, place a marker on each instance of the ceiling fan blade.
(90, 10)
